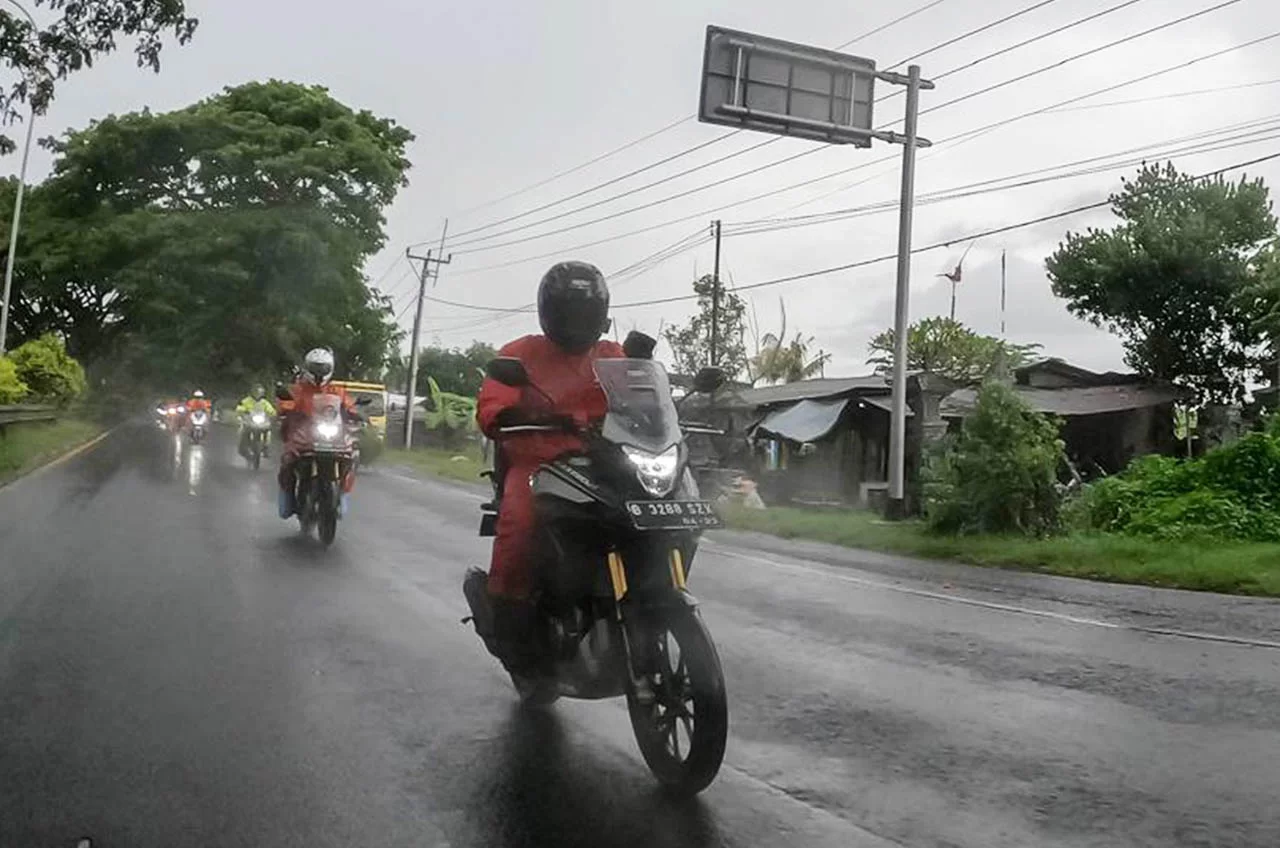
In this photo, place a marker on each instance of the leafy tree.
(1170, 278)
(778, 361)
(85, 30)
(947, 347)
(220, 241)
(691, 344)
(12, 389)
(46, 369)
(1000, 475)
(454, 370)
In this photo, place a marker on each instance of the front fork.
(637, 673)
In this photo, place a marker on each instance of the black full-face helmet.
(573, 305)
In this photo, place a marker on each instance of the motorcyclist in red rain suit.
(573, 309)
(295, 410)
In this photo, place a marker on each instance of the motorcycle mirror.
(508, 371)
(639, 346)
(708, 379)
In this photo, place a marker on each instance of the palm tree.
(780, 361)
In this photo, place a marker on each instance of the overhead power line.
(1175, 95)
(952, 141)
(1259, 134)
(957, 194)
(936, 245)
(686, 119)
(803, 153)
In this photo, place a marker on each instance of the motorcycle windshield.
(642, 413)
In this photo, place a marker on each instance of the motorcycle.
(618, 527)
(173, 417)
(322, 468)
(257, 431)
(198, 425)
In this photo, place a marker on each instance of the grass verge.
(1236, 568)
(24, 447)
(464, 464)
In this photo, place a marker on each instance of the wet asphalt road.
(180, 668)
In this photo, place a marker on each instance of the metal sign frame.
(816, 94)
(781, 107)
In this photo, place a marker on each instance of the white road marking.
(824, 570)
(810, 567)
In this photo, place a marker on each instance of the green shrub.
(1000, 474)
(12, 389)
(50, 374)
(1232, 492)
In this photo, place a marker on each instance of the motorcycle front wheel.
(683, 728)
(327, 503)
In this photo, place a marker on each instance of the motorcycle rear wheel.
(689, 695)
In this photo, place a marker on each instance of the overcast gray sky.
(502, 94)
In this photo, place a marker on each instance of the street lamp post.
(17, 208)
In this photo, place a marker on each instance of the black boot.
(515, 628)
(475, 588)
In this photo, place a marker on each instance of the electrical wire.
(1170, 96)
(955, 195)
(952, 141)
(936, 245)
(938, 197)
(686, 119)
(807, 152)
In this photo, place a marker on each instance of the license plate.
(673, 515)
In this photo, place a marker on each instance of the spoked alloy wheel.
(682, 732)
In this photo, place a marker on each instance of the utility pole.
(17, 206)
(715, 299)
(430, 271)
(897, 507)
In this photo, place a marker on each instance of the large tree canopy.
(946, 347)
(83, 30)
(1170, 278)
(217, 242)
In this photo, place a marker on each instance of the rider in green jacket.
(251, 403)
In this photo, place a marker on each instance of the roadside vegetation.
(25, 447)
(40, 372)
(1236, 568)
(1210, 524)
(463, 465)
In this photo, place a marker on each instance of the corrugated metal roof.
(812, 390)
(806, 421)
(1067, 402)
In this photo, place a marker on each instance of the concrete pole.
(898, 422)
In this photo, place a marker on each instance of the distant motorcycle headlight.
(259, 419)
(656, 473)
(327, 430)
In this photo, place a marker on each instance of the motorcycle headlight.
(259, 419)
(328, 430)
(198, 417)
(657, 473)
